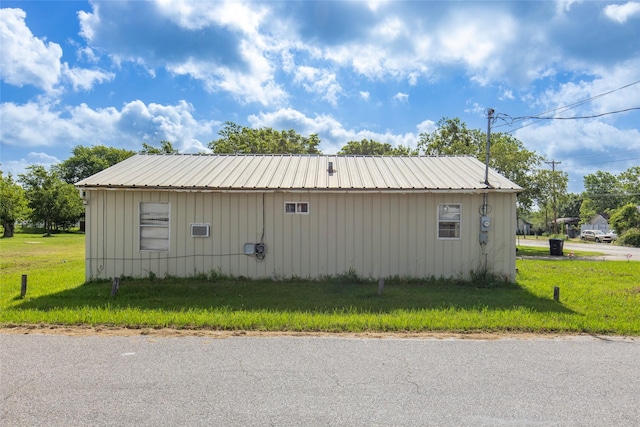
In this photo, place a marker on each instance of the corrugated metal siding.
(301, 173)
(377, 235)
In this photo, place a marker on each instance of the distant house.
(568, 226)
(598, 222)
(524, 227)
(290, 215)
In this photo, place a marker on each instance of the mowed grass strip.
(540, 251)
(595, 297)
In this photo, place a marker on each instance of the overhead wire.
(509, 121)
(545, 115)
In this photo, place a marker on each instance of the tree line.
(48, 196)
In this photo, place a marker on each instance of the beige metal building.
(290, 215)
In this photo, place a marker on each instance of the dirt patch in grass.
(81, 331)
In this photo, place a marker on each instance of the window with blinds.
(154, 226)
(449, 220)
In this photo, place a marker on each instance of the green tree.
(569, 206)
(604, 189)
(451, 137)
(69, 207)
(13, 204)
(369, 147)
(165, 148)
(548, 189)
(235, 139)
(588, 209)
(508, 155)
(53, 202)
(629, 181)
(87, 161)
(625, 218)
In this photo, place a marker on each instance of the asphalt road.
(611, 252)
(54, 380)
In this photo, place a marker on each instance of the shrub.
(625, 218)
(631, 237)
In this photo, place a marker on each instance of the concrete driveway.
(611, 252)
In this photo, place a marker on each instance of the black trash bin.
(555, 247)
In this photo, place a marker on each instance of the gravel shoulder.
(80, 331)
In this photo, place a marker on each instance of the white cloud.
(253, 85)
(42, 158)
(401, 97)
(332, 133)
(195, 15)
(364, 95)
(237, 59)
(318, 81)
(89, 21)
(622, 12)
(606, 91)
(415, 47)
(16, 167)
(87, 54)
(29, 60)
(506, 94)
(563, 6)
(83, 78)
(426, 126)
(475, 109)
(390, 28)
(42, 125)
(583, 146)
(26, 59)
(34, 125)
(562, 138)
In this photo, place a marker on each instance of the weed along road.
(149, 380)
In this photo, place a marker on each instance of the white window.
(449, 218)
(154, 226)
(296, 207)
(290, 208)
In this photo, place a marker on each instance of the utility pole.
(553, 164)
(489, 112)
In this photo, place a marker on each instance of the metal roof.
(298, 173)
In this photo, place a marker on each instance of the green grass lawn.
(595, 297)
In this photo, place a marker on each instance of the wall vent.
(200, 230)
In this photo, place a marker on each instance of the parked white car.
(612, 235)
(595, 235)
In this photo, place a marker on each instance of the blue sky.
(122, 73)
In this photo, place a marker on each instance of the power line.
(600, 154)
(577, 117)
(608, 161)
(584, 101)
(544, 115)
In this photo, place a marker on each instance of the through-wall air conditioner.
(200, 230)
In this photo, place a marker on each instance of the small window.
(200, 230)
(296, 207)
(449, 219)
(290, 208)
(154, 226)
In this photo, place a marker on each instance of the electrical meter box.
(485, 223)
